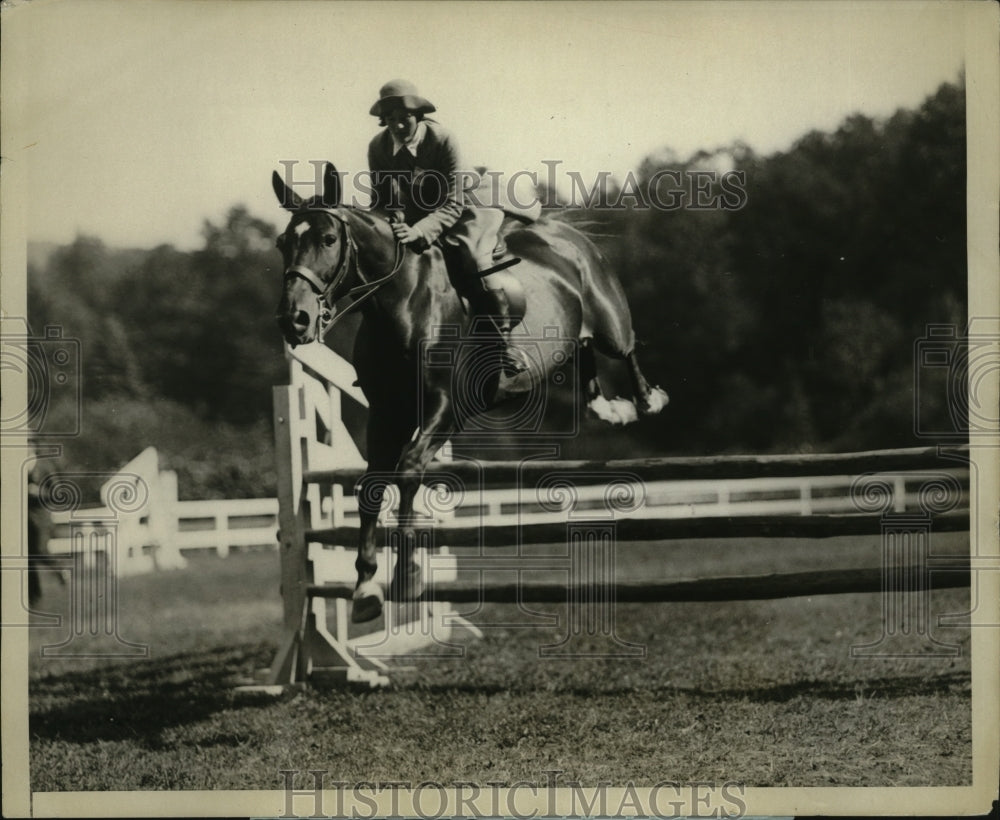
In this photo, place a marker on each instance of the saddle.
(469, 286)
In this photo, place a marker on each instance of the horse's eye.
(329, 240)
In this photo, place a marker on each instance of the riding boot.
(511, 358)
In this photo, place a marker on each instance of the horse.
(410, 310)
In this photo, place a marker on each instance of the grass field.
(764, 693)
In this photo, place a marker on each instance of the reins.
(324, 290)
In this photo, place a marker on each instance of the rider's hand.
(406, 233)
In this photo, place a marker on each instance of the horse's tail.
(576, 219)
(553, 243)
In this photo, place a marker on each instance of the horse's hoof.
(655, 401)
(407, 583)
(615, 411)
(367, 602)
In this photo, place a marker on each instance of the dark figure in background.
(39, 530)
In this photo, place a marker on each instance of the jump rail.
(507, 473)
(735, 588)
(318, 464)
(652, 529)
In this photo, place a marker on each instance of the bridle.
(324, 290)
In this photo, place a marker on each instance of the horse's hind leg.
(649, 400)
(589, 382)
(615, 411)
(614, 337)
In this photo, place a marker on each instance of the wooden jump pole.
(660, 529)
(511, 473)
(732, 588)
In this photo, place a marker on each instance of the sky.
(136, 120)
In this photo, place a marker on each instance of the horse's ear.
(286, 196)
(331, 186)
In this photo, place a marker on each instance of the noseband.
(324, 290)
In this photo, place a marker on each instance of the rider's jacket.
(421, 178)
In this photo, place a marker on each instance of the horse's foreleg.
(436, 427)
(386, 437)
(407, 580)
(368, 595)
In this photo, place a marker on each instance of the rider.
(415, 170)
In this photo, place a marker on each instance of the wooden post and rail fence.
(586, 505)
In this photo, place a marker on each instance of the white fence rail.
(164, 530)
(713, 498)
(225, 524)
(143, 526)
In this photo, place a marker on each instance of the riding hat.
(404, 91)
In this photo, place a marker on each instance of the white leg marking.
(616, 411)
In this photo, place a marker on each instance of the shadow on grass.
(139, 700)
(884, 688)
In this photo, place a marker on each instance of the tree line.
(787, 321)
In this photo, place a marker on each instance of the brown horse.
(413, 317)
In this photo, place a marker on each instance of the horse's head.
(317, 251)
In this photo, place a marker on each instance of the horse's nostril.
(301, 320)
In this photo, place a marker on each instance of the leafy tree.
(205, 324)
(790, 322)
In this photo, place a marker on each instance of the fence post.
(805, 497)
(291, 534)
(142, 473)
(899, 494)
(163, 521)
(222, 533)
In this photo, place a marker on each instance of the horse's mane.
(372, 215)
